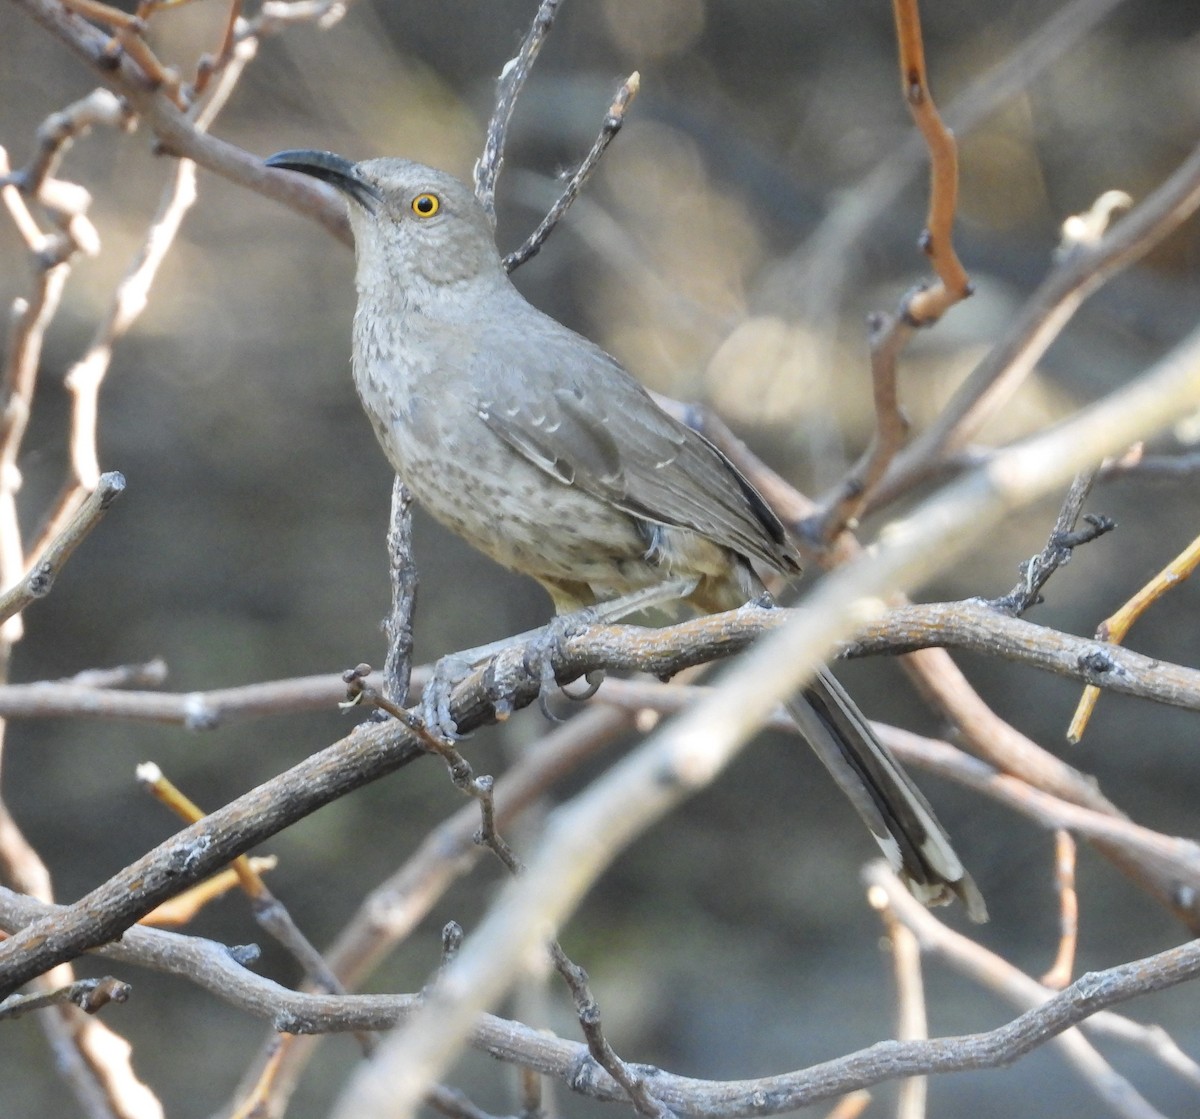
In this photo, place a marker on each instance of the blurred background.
(715, 254)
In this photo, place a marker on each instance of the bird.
(543, 452)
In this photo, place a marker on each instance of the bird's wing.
(571, 409)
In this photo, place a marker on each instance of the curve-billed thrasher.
(540, 450)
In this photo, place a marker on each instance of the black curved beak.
(333, 169)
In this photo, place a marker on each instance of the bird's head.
(409, 220)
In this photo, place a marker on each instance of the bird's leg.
(542, 644)
(548, 642)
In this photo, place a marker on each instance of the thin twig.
(921, 307)
(481, 790)
(39, 580)
(1115, 627)
(398, 625)
(90, 995)
(508, 89)
(911, 1021)
(268, 910)
(613, 121)
(1063, 967)
(389, 913)
(1064, 539)
(60, 130)
(926, 307)
(1042, 319)
(821, 264)
(968, 625)
(128, 31)
(1015, 986)
(212, 967)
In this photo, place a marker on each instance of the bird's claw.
(542, 651)
(448, 672)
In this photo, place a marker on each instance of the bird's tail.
(893, 807)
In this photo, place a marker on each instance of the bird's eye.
(426, 205)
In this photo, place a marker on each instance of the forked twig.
(998, 975)
(920, 307)
(46, 566)
(87, 994)
(1064, 539)
(1116, 626)
(512, 80)
(613, 120)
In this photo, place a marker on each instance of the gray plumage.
(543, 452)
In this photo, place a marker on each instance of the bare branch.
(1115, 628)
(268, 910)
(1045, 314)
(1016, 987)
(574, 184)
(38, 582)
(212, 967)
(1063, 967)
(970, 625)
(390, 912)
(1064, 539)
(398, 625)
(911, 1021)
(512, 80)
(90, 995)
(926, 307)
(921, 307)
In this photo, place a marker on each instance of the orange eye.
(426, 205)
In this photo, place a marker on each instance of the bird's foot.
(448, 671)
(547, 645)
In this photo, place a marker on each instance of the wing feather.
(572, 410)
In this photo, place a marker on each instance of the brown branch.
(1149, 857)
(177, 132)
(889, 335)
(269, 912)
(926, 307)
(1155, 862)
(1115, 627)
(1063, 967)
(1013, 985)
(821, 262)
(90, 995)
(991, 738)
(1042, 319)
(38, 582)
(969, 625)
(368, 753)
(911, 1021)
(973, 625)
(106, 912)
(212, 967)
(481, 790)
